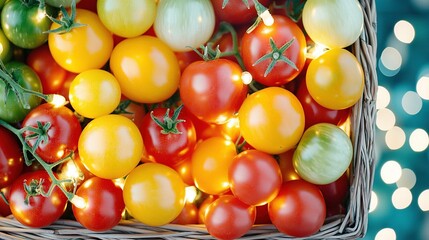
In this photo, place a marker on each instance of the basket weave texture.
(351, 225)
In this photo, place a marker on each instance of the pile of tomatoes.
(163, 95)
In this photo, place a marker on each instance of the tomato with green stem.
(25, 22)
(79, 41)
(104, 204)
(59, 138)
(272, 120)
(218, 87)
(20, 89)
(237, 12)
(144, 78)
(11, 159)
(31, 201)
(275, 54)
(169, 136)
(4, 202)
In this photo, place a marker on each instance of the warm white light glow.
(408, 179)
(404, 31)
(386, 234)
(422, 87)
(395, 138)
(411, 103)
(315, 50)
(57, 100)
(190, 194)
(391, 58)
(401, 198)
(383, 97)
(423, 200)
(390, 172)
(78, 201)
(267, 18)
(419, 140)
(385, 119)
(246, 77)
(374, 201)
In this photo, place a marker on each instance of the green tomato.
(11, 109)
(25, 25)
(323, 154)
(5, 48)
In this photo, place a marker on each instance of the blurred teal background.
(400, 198)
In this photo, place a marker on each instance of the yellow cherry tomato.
(154, 194)
(94, 93)
(210, 163)
(271, 120)
(146, 68)
(110, 146)
(83, 48)
(335, 79)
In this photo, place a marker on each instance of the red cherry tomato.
(11, 159)
(298, 210)
(336, 192)
(189, 215)
(255, 177)
(40, 211)
(104, 204)
(236, 12)
(4, 206)
(62, 135)
(229, 218)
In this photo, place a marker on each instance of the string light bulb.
(57, 100)
(78, 202)
(267, 18)
(246, 77)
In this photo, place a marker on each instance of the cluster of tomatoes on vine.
(247, 116)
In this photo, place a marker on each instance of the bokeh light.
(411, 103)
(374, 202)
(422, 87)
(391, 172)
(407, 180)
(419, 140)
(383, 97)
(395, 138)
(423, 200)
(401, 198)
(404, 31)
(386, 234)
(385, 119)
(391, 58)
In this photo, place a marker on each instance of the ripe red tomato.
(188, 215)
(40, 211)
(170, 139)
(218, 87)
(229, 218)
(185, 171)
(255, 177)
(299, 209)
(104, 204)
(62, 135)
(11, 159)
(236, 11)
(204, 206)
(336, 192)
(258, 43)
(50, 73)
(4, 206)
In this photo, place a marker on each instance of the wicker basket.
(349, 226)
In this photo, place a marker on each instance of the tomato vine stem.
(169, 125)
(34, 188)
(66, 21)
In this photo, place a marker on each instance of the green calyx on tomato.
(66, 22)
(169, 124)
(277, 55)
(246, 2)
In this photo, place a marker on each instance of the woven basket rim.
(352, 225)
